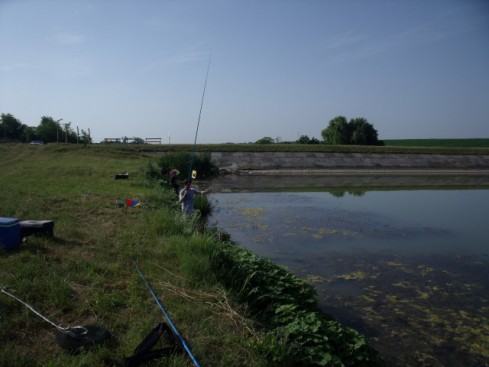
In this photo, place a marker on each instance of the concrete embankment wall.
(308, 161)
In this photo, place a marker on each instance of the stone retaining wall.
(243, 161)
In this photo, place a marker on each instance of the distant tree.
(10, 127)
(29, 134)
(358, 132)
(362, 132)
(265, 140)
(67, 134)
(49, 130)
(304, 139)
(85, 138)
(337, 132)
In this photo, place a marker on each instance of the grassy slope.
(86, 274)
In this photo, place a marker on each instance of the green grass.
(86, 275)
(233, 308)
(438, 143)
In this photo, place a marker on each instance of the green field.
(438, 143)
(233, 308)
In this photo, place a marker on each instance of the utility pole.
(66, 131)
(57, 130)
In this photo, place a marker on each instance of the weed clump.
(287, 306)
(184, 162)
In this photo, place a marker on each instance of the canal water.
(408, 268)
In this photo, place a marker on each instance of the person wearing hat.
(186, 197)
(173, 180)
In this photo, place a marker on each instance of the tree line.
(48, 131)
(340, 131)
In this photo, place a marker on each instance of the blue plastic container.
(9, 233)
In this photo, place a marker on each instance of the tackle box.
(41, 227)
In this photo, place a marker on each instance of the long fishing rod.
(198, 121)
(175, 331)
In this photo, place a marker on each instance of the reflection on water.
(410, 269)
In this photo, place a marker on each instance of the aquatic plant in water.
(434, 310)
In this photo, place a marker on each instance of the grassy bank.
(233, 308)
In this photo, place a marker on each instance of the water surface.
(408, 268)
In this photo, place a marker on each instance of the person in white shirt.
(186, 196)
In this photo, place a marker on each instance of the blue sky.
(412, 68)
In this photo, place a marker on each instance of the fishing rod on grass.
(172, 325)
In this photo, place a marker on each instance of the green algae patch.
(429, 310)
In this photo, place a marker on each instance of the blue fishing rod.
(175, 331)
(189, 176)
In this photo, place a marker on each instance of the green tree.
(358, 132)
(304, 139)
(29, 134)
(337, 132)
(265, 140)
(67, 134)
(362, 132)
(49, 130)
(85, 137)
(10, 127)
